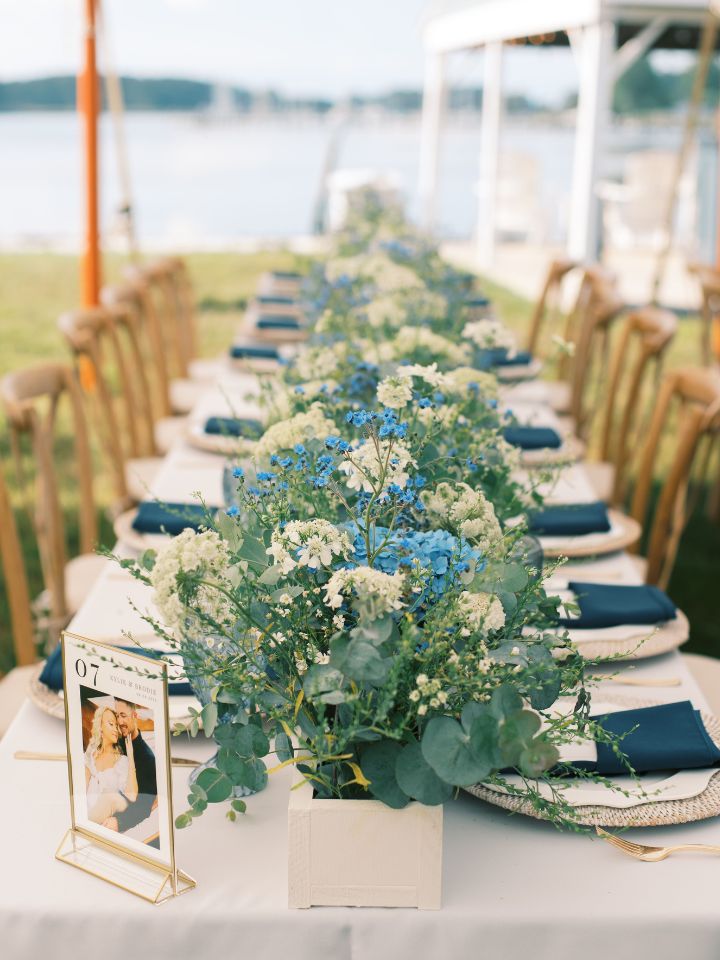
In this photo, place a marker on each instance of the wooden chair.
(709, 279)
(13, 685)
(692, 395)
(32, 398)
(644, 338)
(104, 342)
(140, 322)
(602, 304)
(163, 289)
(549, 305)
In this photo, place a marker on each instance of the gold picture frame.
(89, 846)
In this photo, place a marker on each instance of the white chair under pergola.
(606, 36)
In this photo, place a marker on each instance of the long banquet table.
(512, 887)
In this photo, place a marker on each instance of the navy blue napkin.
(52, 675)
(477, 301)
(276, 301)
(612, 605)
(670, 736)
(286, 275)
(575, 519)
(533, 438)
(252, 352)
(277, 322)
(234, 427)
(521, 359)
(172, 518)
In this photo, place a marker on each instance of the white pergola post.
(434, 102)
(492, 110)
(595, 49)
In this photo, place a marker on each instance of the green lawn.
(35, 289)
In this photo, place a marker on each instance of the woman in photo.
(110, 777)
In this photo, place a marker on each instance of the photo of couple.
(120, 765)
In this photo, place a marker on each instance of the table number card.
(119, 769)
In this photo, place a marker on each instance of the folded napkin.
(240, 351)
(575, 519)
(172, 518)
(611, 605)
(234, 427)
(52, 675)
(277, 322)
(276, 301)
(498, 357)
(477, 301)
(670, 736)
(286, 275)
(533, 438)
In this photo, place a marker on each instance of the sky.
(305, 47)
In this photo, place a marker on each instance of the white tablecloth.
(513, 888)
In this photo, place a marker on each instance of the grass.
(36, 288)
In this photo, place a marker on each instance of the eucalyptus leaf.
(504, 700)
(417, 778)
(537, 758)
(378, 762)
(283, 747)
(216, 785)
(449, 751)
(209, 718)
(322, 678)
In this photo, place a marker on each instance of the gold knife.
(34, 755)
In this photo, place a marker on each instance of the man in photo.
(142, 807)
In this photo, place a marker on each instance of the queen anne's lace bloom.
(459, 379)
(385, 310)
(490, 335)
(481, 611)
(395, 392)
(464, 510)
(430, 374)
(315, 363)
(308, 543)
(191, 551)
(411, 339)
(298, 429)
(374, 461)
(373, 594)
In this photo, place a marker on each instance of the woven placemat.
(660, 813)
(624, 533)
(572, 449)
(670, 636)
(43, 697)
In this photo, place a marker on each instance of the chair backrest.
(644, 338)
(601, 304)
(692, 395)
(158, 282)
(143, 324)
(16, 585)
(31, 398)
(709, 280)
(102, 339)
(549, 304)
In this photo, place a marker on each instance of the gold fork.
(642, 851)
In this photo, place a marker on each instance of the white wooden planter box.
(361, 853)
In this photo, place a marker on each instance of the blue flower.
(424, 403)
(233, 511)
(299, 389)
(264, 476)
(299, 448)
(238, 472)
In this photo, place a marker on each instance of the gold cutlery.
(34, 755)
(640, 851)
(641, 681)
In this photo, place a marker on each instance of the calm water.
(201, 184)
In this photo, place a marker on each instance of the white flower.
(430, 374)
(414, 695)
(465, 511)
(375, 463)
(395, 392)
(564, 346)
(481, 611)
(459, 379)
(191, 551)
(372, 593)
(411, 339)
(307, 543)
(422, 709)
(317, 363)
(385, 310)
(287, 433)
(490, 334)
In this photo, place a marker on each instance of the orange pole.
(89, 107)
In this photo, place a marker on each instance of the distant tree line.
(641, 89)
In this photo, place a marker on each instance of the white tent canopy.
(593, 28)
